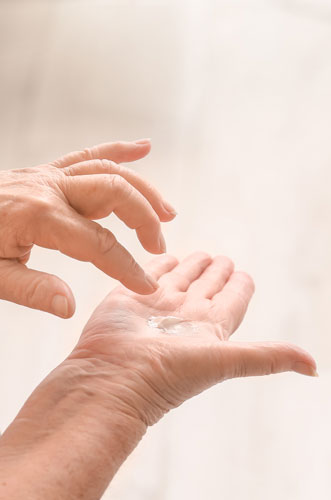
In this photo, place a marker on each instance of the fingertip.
(305, 363)
(200, 255)
(296, 359)
(62, 306)
(169, 211)
(152, 284)
(167, 216)
(247, 279)
(147, 286)
(71, 309)
(143, 142)
(157, 246)
(305, 369)
(162, 244)
(63, 302)
(144, 147)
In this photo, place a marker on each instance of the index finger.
(84, 240)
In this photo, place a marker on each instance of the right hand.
(52, 206)
(147, 372)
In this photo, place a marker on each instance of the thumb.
(239, 359)
(35, 289)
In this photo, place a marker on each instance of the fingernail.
(142, 141)
(169, 208)
(151, 282)
(162, 244)
(60, 306)
(305, 369)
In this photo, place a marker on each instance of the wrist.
(76, 389)
(73, 428)
(132, 379)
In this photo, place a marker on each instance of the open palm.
(154, 371)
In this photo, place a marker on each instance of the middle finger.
(164, 210)
(96, 196)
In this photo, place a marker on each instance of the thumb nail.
(305, 369)
(60, 306)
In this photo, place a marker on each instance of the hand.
(125, 374)
(52, 206)
(149, 372)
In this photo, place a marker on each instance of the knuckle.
(272, 367)
(75, 157)
(69, 171)
(38, 289)
(241, 370)
(40, 205)
(99, 164)
(86, 154)
(120, 187)
(105, 165)
(239, 367)
(106, 241)
(132, 268)
(117, 182)
(110, 167)
(129, 268)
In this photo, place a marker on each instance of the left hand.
(55, 205)
(149, 372)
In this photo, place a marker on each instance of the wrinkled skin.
(86, 417)
(150, 372)
(54, 205)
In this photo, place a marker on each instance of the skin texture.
(55, 205)
(87, 416)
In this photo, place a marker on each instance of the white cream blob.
(173, 325)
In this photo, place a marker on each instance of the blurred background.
(236, 96)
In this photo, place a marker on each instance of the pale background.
(236, 96)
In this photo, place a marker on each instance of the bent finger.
(35, 289)
(85, 240)
(96, 196)
(120, 151)
(164, 210)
